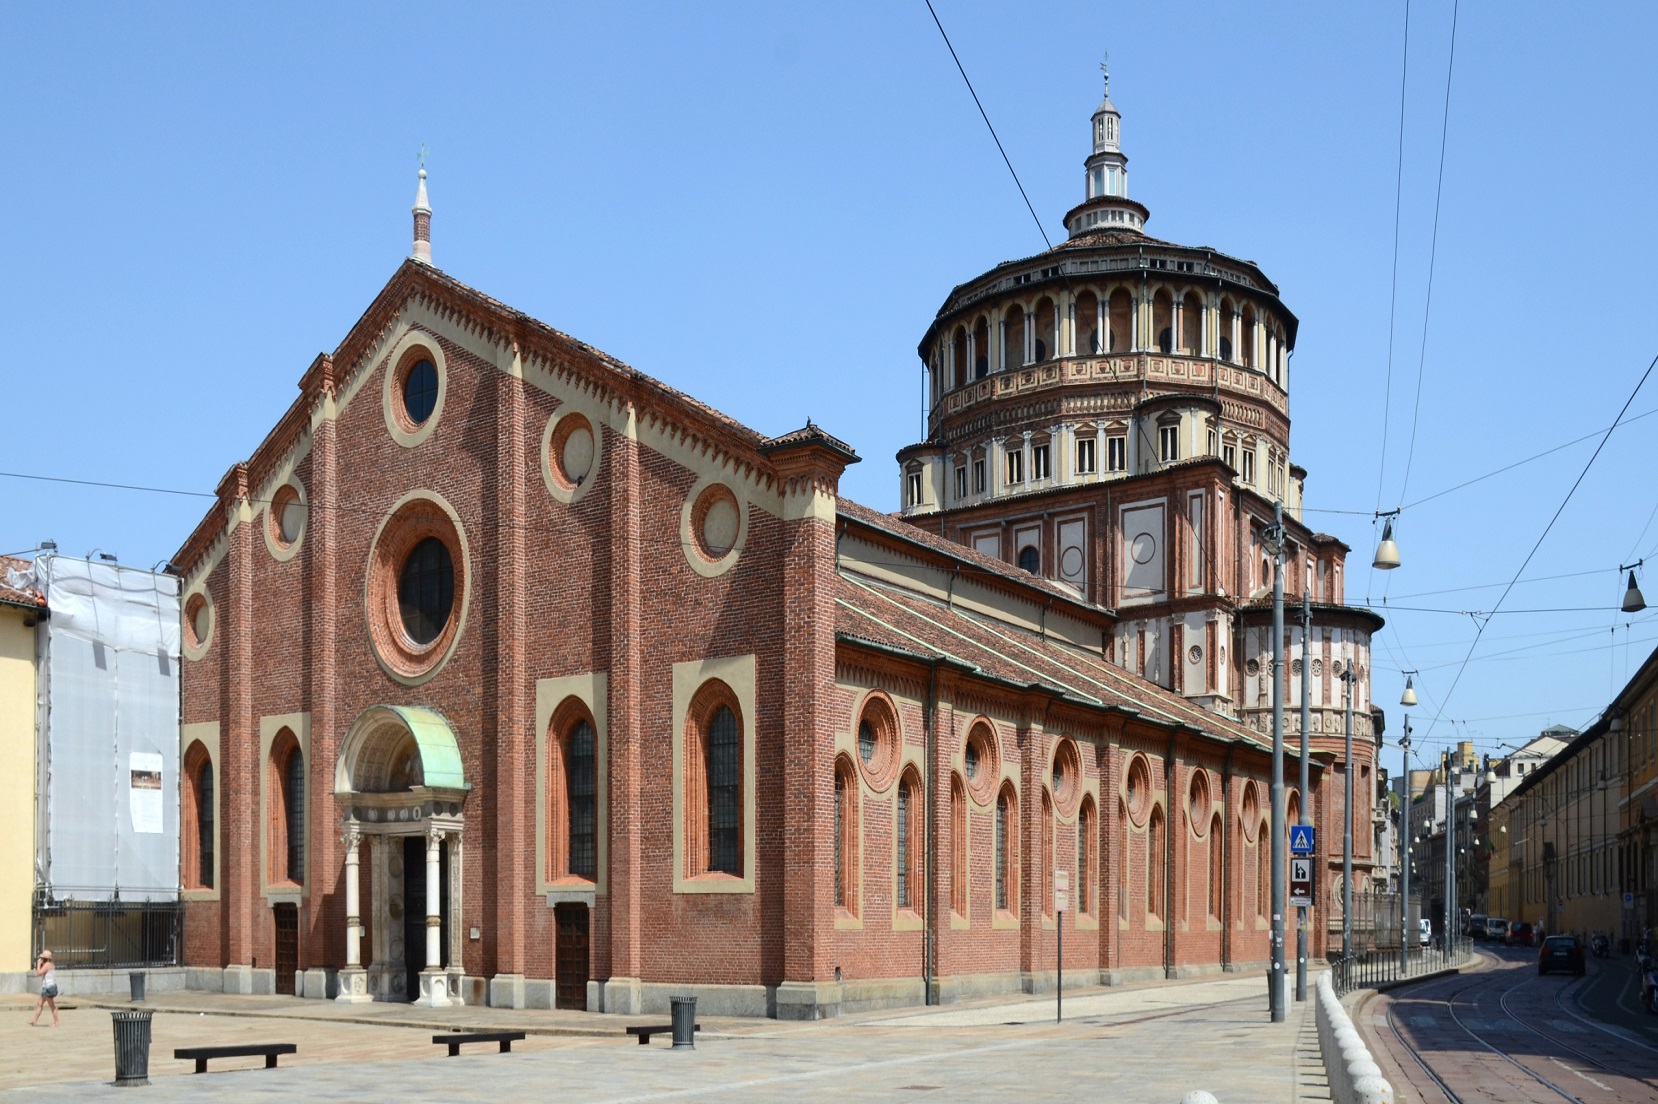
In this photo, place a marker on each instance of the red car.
(1560, 952)
(1519, 934)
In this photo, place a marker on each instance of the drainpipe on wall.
(1226, 863)
(930, 727)
(1170, 823)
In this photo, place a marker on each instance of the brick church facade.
(513, 675)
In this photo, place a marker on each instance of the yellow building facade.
(1636, 711)
(19, 613)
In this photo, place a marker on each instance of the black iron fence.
(1384, 965)
(109, 934)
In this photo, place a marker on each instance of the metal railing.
(1376, 966)
(109, 934)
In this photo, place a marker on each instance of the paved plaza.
(1147, 1044)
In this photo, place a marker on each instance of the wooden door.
(414, 909)
(287, 946)
(571, 956)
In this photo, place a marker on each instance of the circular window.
(1252, 668)
(1067, 775)
(1194, 654)
(415, 385)
(420, 391)
(1251, 814)
(714, 525)
(1138, 789)
(878, 739)
(1198, 800)
(416, 590)
(1143, 548)
(1318, 668)
(198, 623)
(981, 762)
(426, 590)
(569, 454)
(285, 520)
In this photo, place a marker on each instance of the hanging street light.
(1387, 553)
(1632, 600)
(1408, 698)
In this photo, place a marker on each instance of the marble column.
(434, 983)
(353, 987)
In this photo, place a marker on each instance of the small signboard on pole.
(1062, 886)
(1301, 839)
(1301, 881)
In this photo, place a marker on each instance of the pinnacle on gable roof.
(422, 223)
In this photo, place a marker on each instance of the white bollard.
(1198, 1096)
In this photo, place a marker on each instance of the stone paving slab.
(1150, 1044)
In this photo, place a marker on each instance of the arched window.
(1007, 852)
(1030, 560)
(846, 835)
(1263, 870)
(196, 834)
(1191, 323)
(581, 788)
(958, 358)
(1086, 861)
(1089, 331)
(725, 849)
(1122, 321)
(1228, 317)
(908, 835)
(1045, 855)
(1247, 338)
(1123, 865)
(1162, 320)
(1046, 321)
(1216, 868)
(1154, 864)
(1013, 337)
(981, 349)
(286, 861)
(958, 846)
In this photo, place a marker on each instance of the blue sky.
(764, 204)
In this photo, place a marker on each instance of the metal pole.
(1405, 935)
(1278, 978)
(1450, 817)
(1306, 791)
(1059, 990)
(1347, 827)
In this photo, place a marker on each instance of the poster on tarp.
(144, 792)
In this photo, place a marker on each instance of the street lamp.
(1273, 538)
(1405, 851)
(1306, 792)
(1632, 600)
(1408, 698)
(1387, 553)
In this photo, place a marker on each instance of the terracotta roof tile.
(10, 596)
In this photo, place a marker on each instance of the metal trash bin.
(685, 1022)
(136, 980)
(132, 1046)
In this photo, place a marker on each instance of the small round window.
(287, 516)
(420, 391)
(980, 762)
(715, 520)
(198, 621)
(426, 590)
(878, 742)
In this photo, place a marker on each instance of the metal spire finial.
(1105, 68)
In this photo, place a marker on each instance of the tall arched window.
(581, 788)
(205, 816)
(1122, 322)
(1247, 338)
(1046, 321)
(846, 835)
(908, 835)
(1045, 855)
(1086, 851)
(1007, 858)
(958, 358)
(1154, 864)
(1013, 337)
(1089, 331)
(725, 849)
(981, 349)
(958, 846)
(1123, 865)
(1228, 318)
(1263, 871)
(1191, 323)
(1162, 321)
(287, 786)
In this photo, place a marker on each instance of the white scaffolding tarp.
(109, 732)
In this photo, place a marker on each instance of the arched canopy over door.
(392, 749)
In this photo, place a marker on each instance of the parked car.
(1475, 926)
(1424, 931)
(1496, 929)
(1560, 952)
(1519, 934)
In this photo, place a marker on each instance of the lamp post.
(1274, 539)
(1404, 858)
(1306, 793)
(1347, 823)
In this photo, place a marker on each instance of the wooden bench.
(200, 1055)
(646, 1032)
(505, 1038)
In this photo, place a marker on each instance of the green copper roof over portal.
(440, 755)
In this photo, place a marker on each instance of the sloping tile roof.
(893, 618)
(10, 596)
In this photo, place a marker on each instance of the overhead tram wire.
(1433, 253)
(1578, 482)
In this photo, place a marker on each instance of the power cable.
(1546, 530)
(1433, 253)
(982, 114)
(1393, 291)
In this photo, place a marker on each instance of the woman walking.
(48, 988)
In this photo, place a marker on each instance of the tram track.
(1486, 980)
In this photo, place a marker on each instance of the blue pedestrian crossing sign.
(1301, 839)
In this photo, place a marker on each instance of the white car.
(1424, 931)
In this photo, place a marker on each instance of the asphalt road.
(1503, 1033)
